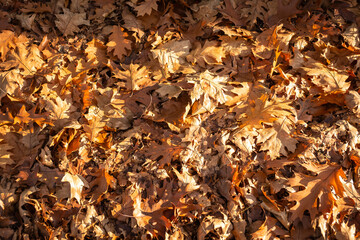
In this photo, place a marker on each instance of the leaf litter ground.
(150, 119)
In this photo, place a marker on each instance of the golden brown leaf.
(96, 52)
(265, 111)
(146, 7)
(118, 42)
(77, 183)
(277, 139)
(68, 22)
(319, 194)
(6, 37)
(326, 78)
(134, 75)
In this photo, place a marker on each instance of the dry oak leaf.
(174, 110)
(215, 224)
(253, 11)
(25, 57)
(10, 82)
(171, 54)
(26, 20)
(8, 198)
(99, 186)
(116, 114)
(146, 7)
(156, 212)
(277, 138)
(96, 52)
(68, 22)
(236, 47)
(6, 38)
(302, 113)
(31, 57)
(208, 83)
(351, 35)
(352, 101)
(134, 75)
(77, 183)
(61, 111)
(265, 111)
(319, 193)
(118, 42)
(327, 78)
(31, 141)
(284, 10)
(93, 128)
(232, 13)
(25, 197)
(143, 219)
(271, 39)
(163, 153)
(133, 24)
(186, 180)
(212, 53)
(25, 117)
(269, 230)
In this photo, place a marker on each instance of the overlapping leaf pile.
(196, 119)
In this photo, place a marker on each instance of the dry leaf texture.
(200, 119)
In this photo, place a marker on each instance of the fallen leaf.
(100, 185)
(134, 75)
(319, 194)
(326, 78)
(6, 37)
(118, 42)
(171, 55)
(163, 153)
(265, 111)
(210, 53)
(277, 139)
(146, 7)
(352, 101)
(96, 52)
(68, 22)
(77, 183)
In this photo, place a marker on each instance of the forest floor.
(153, 119)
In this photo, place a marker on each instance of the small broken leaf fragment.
(5, 155)
(210, 53)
